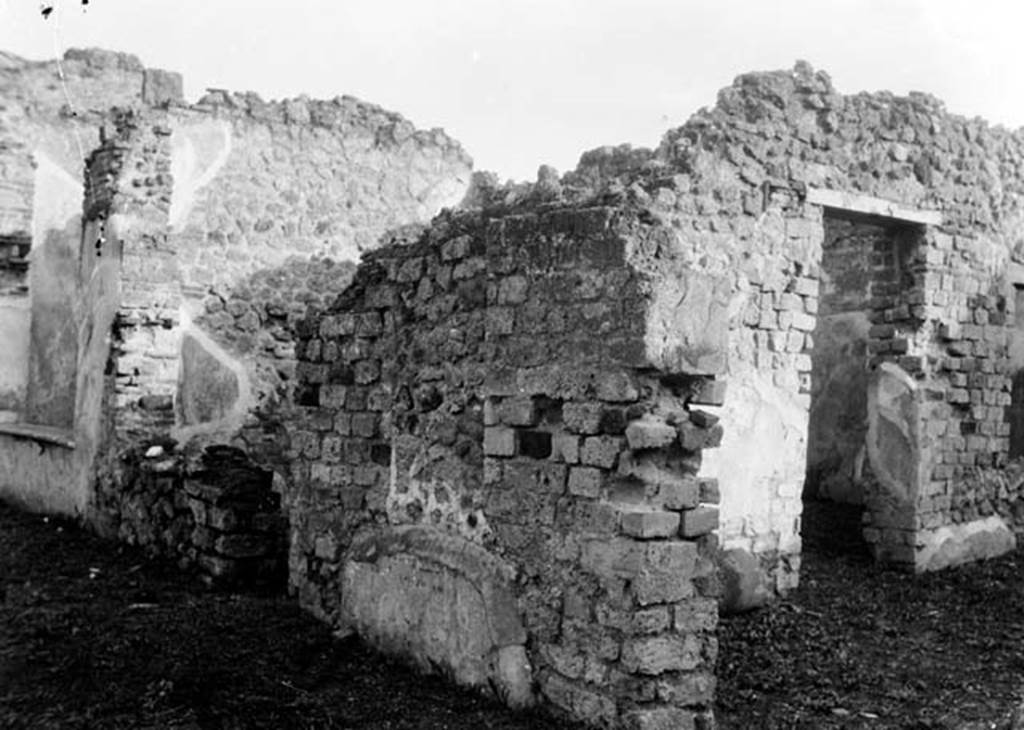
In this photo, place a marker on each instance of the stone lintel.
(868, 205)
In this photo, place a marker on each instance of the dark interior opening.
(866, 267)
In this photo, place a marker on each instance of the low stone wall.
(220, 515)
(240, 534)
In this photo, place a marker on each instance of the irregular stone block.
(696, 615)
(649, 434)
(616, 387)
(586, 705)
(695, 438)
(647, 525)
(565, 447)
(659, 718)
(709, 393)
(687, 689)
(601, 451)
(744, 584)
(703, 419)
(950, 545)
(518, 412)
(699, 521)
(585, 481)
(584, 418)
(499, 441)
(708, 490)
(659, 654)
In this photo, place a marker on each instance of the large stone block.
(659, 654)
(646, 525)
(743, 581)
(964, 543)
(687, 324)
(649, 434)
(440, 601)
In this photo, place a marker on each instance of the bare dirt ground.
(862, 646)
(94, 635)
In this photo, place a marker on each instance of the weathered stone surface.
(743, 581)
(951, 545)
(687, 327)
(647, 525)
(499, 441)
(481, 376)
(649, 434)
(893, 441)
(698, 521)
(659, 654)
(162, 87)
(416, 591)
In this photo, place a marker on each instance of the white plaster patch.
(761, 463)
(436, 501)
(198, 153)
(57, 197)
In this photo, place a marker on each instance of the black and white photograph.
(517, 365)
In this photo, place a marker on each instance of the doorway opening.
(867, 269)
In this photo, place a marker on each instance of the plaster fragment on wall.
(761, 463)
(231, 387)
(198, 153)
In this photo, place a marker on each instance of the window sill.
(45, 434)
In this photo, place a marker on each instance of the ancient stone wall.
(516, 390)
(712, 181)
(233, 217)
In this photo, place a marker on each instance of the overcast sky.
(525, 82)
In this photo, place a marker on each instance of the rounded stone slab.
(442, 601)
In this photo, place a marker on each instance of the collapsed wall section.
(508, 389)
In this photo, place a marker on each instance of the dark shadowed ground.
(93, 635)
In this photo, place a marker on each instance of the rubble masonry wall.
(513, 386)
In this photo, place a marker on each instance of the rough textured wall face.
(489, 384)
(719, 184)
(236, 217)
(257, 183)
